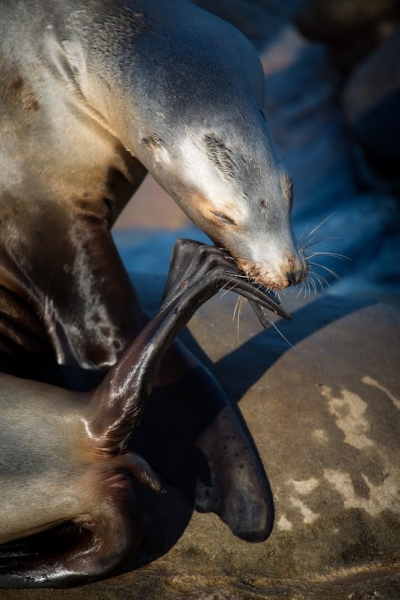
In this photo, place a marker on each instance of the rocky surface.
(325, 417)
(359, 218)
(371, 101)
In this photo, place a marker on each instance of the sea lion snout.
(275, 265)
(271, 278)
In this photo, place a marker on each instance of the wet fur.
(65, 456)
(92, 96)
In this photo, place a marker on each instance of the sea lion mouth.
(261, 312)
(293, 273)
(258, 274)
(290, 269)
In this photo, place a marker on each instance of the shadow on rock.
(177, 423)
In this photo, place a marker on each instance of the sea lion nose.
(295, 274)
(294, 277)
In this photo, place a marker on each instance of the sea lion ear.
(156, 145)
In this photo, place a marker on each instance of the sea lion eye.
(223, 218)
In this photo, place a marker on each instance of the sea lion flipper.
(118, 402)
(181, 261)
(189, 256)
(27, 564)
(238, 489)
(195, 440)
(80, 551)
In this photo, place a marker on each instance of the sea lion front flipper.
(194, 439)
(76, 286)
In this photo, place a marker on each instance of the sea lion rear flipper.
(190, 433)
(80, 551)
(96, 544)
(34, 561)
(118, 402)
(184, 258)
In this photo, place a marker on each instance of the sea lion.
(93, 95)
(73, 466)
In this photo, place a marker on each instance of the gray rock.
(325, 417)
(372, 106)
(352, 29)
(318, 149)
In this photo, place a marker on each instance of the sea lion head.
(205, 139)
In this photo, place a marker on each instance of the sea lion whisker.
(238, 310)
(224, 293)
(226, 284)
(326, 269)
(313, 285)
(230, 281)
(228, 290)
(319, 225)
(322, 278)
(309, 240)
(235, 309)
(312, 273)
(282, 336)
(319, 241)
(301, 289)
(241, 306)
(239, 276)
(334, 254)
(301, 237)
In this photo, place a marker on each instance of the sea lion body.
(65, 460)
(30, 462)
(96, 94)
(92, 96)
